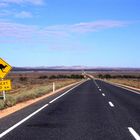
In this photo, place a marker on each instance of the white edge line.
(22, 121)
(111, 104)
(134, 133)
(119, 86)
(127, 89)
(34, 113)
(65, 92)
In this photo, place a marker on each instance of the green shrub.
(10, 101)
(43, 77)
(2, 105)
(73, 76)
(23, 79)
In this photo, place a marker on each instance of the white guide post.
(53, 86)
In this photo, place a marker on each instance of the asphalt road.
(94, 110)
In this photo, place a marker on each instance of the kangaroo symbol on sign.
(2, 67)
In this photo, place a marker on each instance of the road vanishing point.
(92, 110)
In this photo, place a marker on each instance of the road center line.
(100, 90)
(111, 104)
(22, 121)
(134, 133)
(103, 94)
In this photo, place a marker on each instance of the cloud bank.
(34, 2)
(27, 32)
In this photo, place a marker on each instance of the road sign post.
(3, 93)
(4, 96)
(4, 84)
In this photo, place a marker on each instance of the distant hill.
(72, 68)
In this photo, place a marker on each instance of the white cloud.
(34, 2)
(4, 13)
(36, 33)
(2, 4)
(24, 14)
(15, 14)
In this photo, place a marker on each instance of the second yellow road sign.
(5, 85)
(4, 68)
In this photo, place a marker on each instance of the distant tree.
(52, 77)
(101, 76)
(23, 79)
(43, 77)
(107, 76)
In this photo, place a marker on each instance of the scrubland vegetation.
(32, 85)
(129, 80)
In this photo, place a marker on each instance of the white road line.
(100, 90)
(111, 104)
(134, 133)
(56, 98)
(34, 113)
(64, 93)
(22, 121)
(116, 85)
(103, 94)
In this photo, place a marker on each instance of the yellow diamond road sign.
(5, 85)
(4, 68)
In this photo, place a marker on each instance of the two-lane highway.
(94, 110)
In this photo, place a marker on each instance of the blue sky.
(98, 33)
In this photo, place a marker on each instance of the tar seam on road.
(134, 133)
(95, 83)
(22, 121)
(34, 113)
(111, 104)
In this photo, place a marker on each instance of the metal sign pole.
(3, 93)
(4, 97)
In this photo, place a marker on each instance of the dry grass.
(129, 82)
(27, 86)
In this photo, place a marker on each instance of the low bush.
(10, 101)
(107, 76)
(2, 105)
(73, 76)
(43, 77)
(23, 79)
(24, 95)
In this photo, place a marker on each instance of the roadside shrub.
(53, 77)
(10, 101)
(43, 77)
(77, 76)
(107, 76)
(73, 76)
(101, 76)
(2, 105)
(23, 79)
